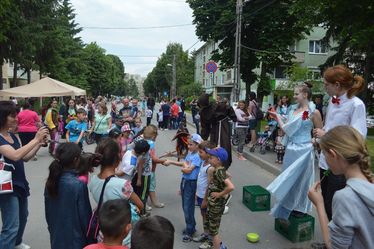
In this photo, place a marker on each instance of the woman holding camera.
(13, 200)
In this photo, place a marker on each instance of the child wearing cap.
(126, 136)
(190, 170)
(218, 188)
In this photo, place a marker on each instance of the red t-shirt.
(102, 246)
(27, 120)
(174, 110)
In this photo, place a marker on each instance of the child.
(87, 162)
(203, 180)
(62, 190)
(138, 126)
(152, 135)
(344, 108)
(279, 147)
(76, 128)
(116, 135)
(154, 232)
(129, 163)
(219, 187)
(149, 114)
(160, 119)
(115, 224)
(190, 170)
(352, 223)
(126, 136)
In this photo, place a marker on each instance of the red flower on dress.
(305, 115)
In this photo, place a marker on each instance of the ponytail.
(66, 156)
(55, 172)
(358, 86)
(342, 75)
(365, 167)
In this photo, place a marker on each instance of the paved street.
(235, 224)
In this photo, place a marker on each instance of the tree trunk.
(14, 80)
(28, 71)
(1, 73)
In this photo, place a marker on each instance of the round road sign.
(211, 67)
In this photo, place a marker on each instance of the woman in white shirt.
(241, 126)
(344, 108)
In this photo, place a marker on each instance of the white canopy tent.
(46, 87)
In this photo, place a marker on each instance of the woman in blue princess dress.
(291, 187)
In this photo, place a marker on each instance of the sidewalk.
(265, 161)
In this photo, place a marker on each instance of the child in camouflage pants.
(218, 188)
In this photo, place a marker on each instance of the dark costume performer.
(214, 119)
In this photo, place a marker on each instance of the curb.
(251, 157)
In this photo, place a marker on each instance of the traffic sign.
(211, 67)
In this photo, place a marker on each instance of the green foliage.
(269, 26)
(193, 89)
(160, 78)
(42, 35)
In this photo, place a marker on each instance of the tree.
(350, 25)
(160, 78)
(268, 28)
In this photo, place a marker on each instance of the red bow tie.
(335, 100)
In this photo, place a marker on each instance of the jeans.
(197, 124)
(188, 191)
(242, 134)
(14, 212)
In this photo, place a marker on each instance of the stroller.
(235, 137)
(265, 140)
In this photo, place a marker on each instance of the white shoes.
(226, 210)
(22, 246)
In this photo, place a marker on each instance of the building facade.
(139, 80)
(309, 53)
(7, 76)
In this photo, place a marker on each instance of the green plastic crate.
(296, 229)
(256, 198)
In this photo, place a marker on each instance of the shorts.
(213, 217)
(152, 183)
(199, 202)
(252, 124)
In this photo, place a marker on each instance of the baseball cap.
(196, 138)
(125, 127)
(114, 133)
(219, 152)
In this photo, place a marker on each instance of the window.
(228, 75)
(314, 74)
(280, 72)
(317, 47)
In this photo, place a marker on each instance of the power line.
(138, 56)
(144, 27)
(193, 45)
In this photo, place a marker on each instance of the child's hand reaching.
(166, 163)
(315, 194)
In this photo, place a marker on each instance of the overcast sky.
(135, 42)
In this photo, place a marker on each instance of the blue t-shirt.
(195, 160)
(75, 129)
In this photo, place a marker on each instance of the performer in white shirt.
(344, 108)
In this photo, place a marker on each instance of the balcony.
(300, 56)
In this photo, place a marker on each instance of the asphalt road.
(234, 227)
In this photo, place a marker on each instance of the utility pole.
(238, 34)
(174, 83)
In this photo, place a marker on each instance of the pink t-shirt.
(27, 120)
(102, 246)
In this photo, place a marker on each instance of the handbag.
(259, 115)
(6, 183)
(93, 226)
(91, 137)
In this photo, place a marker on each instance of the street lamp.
(173, 89)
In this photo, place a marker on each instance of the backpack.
(259, 115)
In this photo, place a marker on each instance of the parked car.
(370, 121)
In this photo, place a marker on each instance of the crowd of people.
(125, 153)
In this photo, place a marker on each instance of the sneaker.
(159, 205)
(206, 245)
(201, 238)
(226, 210)
(186, 238)
(148, 208)
(228, 199)
(222, 246)
(22, 246)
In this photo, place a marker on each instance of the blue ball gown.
(290, 188)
